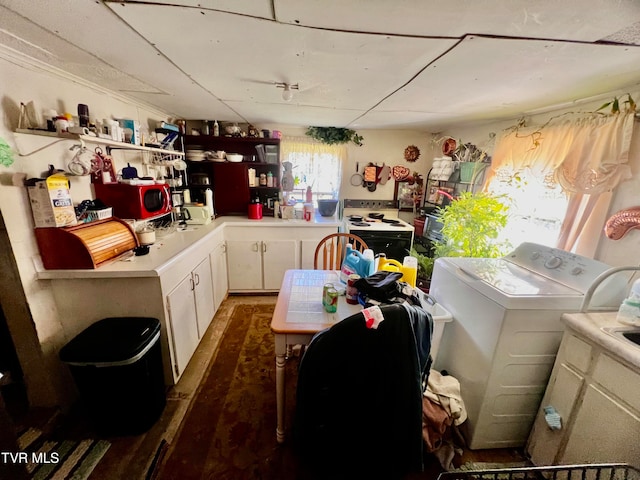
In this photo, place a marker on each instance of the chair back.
(331, 250)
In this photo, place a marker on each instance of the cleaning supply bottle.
(355, 262)
(629, 311)
(409, 268)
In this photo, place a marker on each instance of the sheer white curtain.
(315, 164)
(566, 168)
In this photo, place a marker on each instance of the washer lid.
(511, 279)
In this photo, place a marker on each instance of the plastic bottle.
(216, 129)
(355, 262)
(269, 179)
(629, 311)
(208, 193)
(309, 195)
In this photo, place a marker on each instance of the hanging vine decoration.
(334, 135)
(536, 136)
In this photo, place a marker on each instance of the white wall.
(23, 82)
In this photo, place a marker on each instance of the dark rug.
(230, 429)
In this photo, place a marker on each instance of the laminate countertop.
(591, 325)
(173, 246)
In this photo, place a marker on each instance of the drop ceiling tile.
(584, 20)
(491, 78)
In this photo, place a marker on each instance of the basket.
(165, 159)
(93, 215)
(603, 471)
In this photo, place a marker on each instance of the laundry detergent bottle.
(356, 262)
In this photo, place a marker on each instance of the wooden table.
(298, 316)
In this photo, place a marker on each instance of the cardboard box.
(131, 130)
(51, 202)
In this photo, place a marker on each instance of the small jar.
(269, 179)
(263, 180)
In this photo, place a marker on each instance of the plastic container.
(629, 311)
(409, 268)
(356, 262)
(117, 366)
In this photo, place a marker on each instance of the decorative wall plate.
(400, 173)
(449, 146)
(411, 153)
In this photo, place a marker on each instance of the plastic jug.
(356, 262)
(409, 268)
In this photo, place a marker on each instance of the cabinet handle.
(193, 284)
(264, 247)
(256, 247)
(224, 248)
(197, 279)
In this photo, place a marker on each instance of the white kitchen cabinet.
(259, 264)
(218, 260)
(598, 399)
(191, 309)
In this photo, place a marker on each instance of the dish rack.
(93, 215)
(164, 159)
(601, 471)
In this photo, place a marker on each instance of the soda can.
(325, 298)
(332, 300)
(352, 291)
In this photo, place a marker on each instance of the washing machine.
(506, 330)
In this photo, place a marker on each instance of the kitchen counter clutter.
(171, 248)
(185, 277)
(590, 412)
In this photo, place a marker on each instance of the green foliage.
(333, 135)
(425, 264)
(471, 225)
(629, 103)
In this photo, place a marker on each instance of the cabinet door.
(183, 324)
(203, 295)
(278, 257)
(218, 258)
(605, 430)
(307, 253)
(244, 260)
(230, 188)
(562, 393)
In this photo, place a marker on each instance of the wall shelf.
(108, 143)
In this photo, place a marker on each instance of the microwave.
(135, 201)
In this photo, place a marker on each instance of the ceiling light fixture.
(287, 94)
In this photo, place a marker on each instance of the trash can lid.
(112, 340)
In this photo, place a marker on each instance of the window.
(314, 165)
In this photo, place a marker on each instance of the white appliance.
(506, 330)
(388, 235)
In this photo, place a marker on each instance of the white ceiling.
(425, 64)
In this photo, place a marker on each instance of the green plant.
(333, 135)
(425, 264)
(471, 224)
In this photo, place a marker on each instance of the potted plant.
(425, 269)
(334, 135)
(470, 227)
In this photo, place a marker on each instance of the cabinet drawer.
(578, 353)
(618, 379)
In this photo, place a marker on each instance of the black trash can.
(117, 366)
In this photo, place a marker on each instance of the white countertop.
(590, 325)
(174, 246)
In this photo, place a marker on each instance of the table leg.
(280, 343)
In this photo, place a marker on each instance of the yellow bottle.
(409, 268)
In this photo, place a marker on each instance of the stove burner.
(396, 225)
(391, 221)
(360, 224)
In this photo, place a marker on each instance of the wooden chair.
(331, 250)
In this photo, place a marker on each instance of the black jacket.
(359, 396)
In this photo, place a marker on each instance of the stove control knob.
(553, 262)
(577, 270)
(535, 255)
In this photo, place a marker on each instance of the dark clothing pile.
(359, 397)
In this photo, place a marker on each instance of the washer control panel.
(568, 268)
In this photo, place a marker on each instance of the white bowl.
(234, 157)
